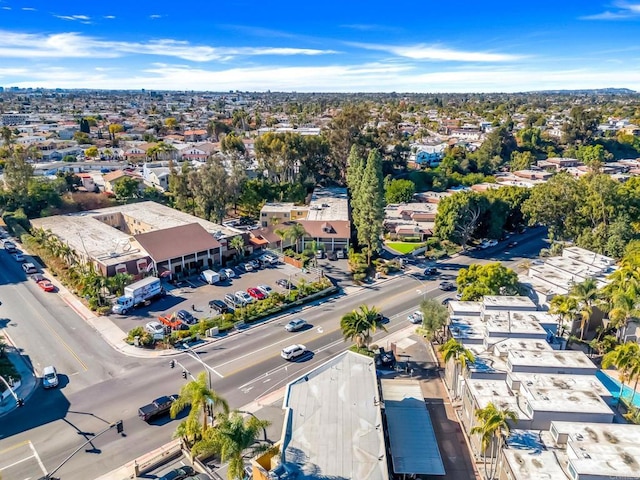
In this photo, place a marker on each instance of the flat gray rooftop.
(329, 204)
(413, 443)
(333, 424)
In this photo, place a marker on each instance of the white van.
(210, 277)
(49, 377)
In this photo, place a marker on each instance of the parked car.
(154, 328)
(319, 253)
(37, 277)
(218, 306)
(9, 246)
(247, 267)
(446, 301)
(295, 325)
(333, 256)
(186, 317)
(231, 300)
(266, 289)
(492, 243)
(416, 317)
(256, 293)
(18, 257)
(255, 264)
(228, 272)
(447, 286)
(29, 268)
(384, 359)
(284, 283)
(244, 297)
(179, 473)
(46, 285)
(268, 259)
(458, 296)
(200, 476)
(293, 351)
(340, 253)
(511, 244)
(49, 377)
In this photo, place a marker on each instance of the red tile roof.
(176, 242)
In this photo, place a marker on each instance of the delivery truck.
(210, 276)
(138, 293)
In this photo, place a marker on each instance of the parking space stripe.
(16, 463)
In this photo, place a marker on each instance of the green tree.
(358, 325)
(171, 123)
(400, 191)
(459, 217)
(181, 193)
(82, 138)
(126, 188)
(234, 438)
(160, 150)
(210, 189)
(201, 399)
(493, 427)
(435, 317)
(586, 295)
(521, 160)
(489, 279)
(232, 143)
(237, 243)
(626, 359)
(84, 126)
(344, 131)
(17, 174)
(461, 356)
(581, 125)
(370, 205)
(566, 308)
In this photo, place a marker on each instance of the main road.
(101, 386)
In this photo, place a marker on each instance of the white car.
(295, 325)
(492, 243)
(228, 272)
(29, 268)
(49, 377)
(293, 351)
(154, 328)
(244, 297)
(266, 289)
(247, 267)
(416, 317)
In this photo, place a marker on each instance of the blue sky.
(346, 46)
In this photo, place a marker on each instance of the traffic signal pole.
(119, 428)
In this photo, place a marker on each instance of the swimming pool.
(613, 386)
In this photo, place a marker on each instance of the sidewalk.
(28, 382)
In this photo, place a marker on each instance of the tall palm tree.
(624, 307)
(283, 235)
(295, 233)
(565, 307)
(626, 359)
(586, 294)
(452, 349)
(233, 438)
(493, 428)
(359, 325)
(201, 399)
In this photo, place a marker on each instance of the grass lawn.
(404, 247)
(7, 370)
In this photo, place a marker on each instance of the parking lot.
(194, 294)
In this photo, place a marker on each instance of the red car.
(255, 293)
(46, 285)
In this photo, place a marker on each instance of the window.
(554, 432)
(142, 265)
(572, 472)
(121, 268)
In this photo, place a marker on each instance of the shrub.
(144, 337)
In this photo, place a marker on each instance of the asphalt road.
(100, 386)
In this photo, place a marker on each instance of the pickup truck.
(160, 406)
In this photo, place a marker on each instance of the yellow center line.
(48, 325)
(13, 447)
(325, 333)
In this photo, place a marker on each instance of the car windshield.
(50, 376)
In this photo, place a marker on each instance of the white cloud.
(155, 17)
(6, 8)
(109, 17)
(624, 10)
(372, 77)
(29, 9)
(75, 45)
(437, 53)
(73, 17)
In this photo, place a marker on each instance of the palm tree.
(624, 308)
(283, 235)
(201, 399)
(237, 243)
(233, 438)
(116, 283)
(565, 307)
(452, 349)
(493, 427)
(296, 232)
(359, 325)
(586, 294)
(626, 359)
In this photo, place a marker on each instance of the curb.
(29, 385)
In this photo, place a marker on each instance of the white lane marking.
(16, 463)
(33, 449)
